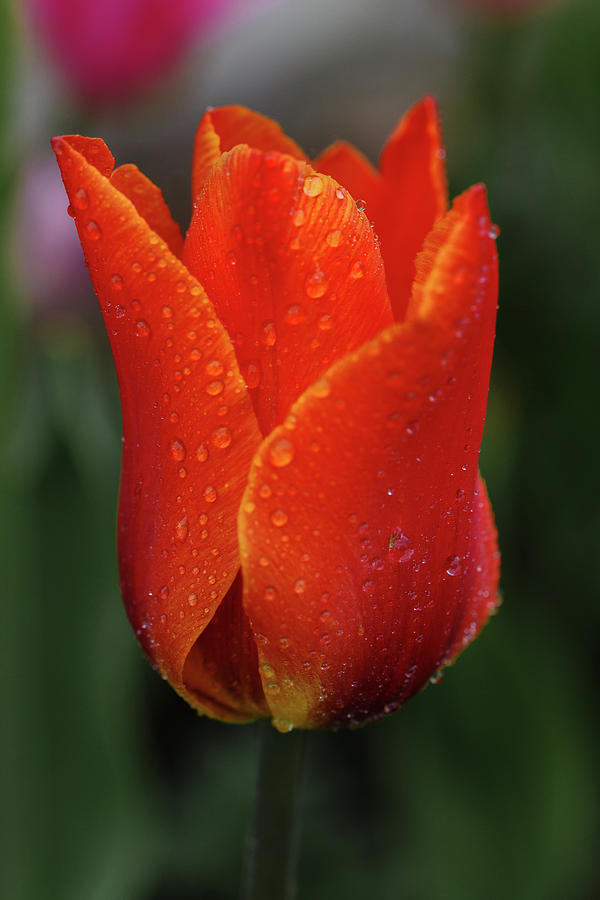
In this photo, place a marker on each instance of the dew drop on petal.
(269, 335)
(177, 450)
(142, 329)
(321, 388)
(221, 437)
(316, 284)
(281, 452)
(94, 232)
(357, 270)
(453, 565)
(295, 314)
(251, 373)
(181, 529)
(313, 186)
(209, 493)
(80, 199)
(334, 238)
(279, 518)
(214, 367)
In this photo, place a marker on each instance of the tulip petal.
(149, 202)
(221, 669)
(413, 196)
(225, 127)
(369, 557)
(292, 268)
(188, 425)
(351, 169)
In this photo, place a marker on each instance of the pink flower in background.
(110, 49)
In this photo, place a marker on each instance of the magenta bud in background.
(112, 49)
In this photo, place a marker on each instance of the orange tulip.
(303, 533)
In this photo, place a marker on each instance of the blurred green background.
(485, 786)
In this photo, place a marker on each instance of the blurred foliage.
(486, 785)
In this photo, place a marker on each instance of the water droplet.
(357, 270)
(453, 565)
(270, 593)
(494, 232)
(282, 725)
(177, 450)
(94, 232)
(214, 367)
(214, 388)
(221, 437)
(295, 314)
(265, 491)
(231, 258)
(251, 373)
(325, 323)
(117, 282)
(400, 548)
(192, 599)
(281, 452)
(334, 238)
(436, 677)
(182, 472)
(164, 592)
(209, 493)
(181, 529)
(80, 199)
(142, 329)
(279, 517)
(269, 335)
(313, 186)
(202, 453)
(300, 586)
(299, 216)
(167, 312)
(316, 284)
(321, 388)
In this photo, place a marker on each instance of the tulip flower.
(303, 533)
(115, 48)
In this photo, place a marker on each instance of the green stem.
(270, 870)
